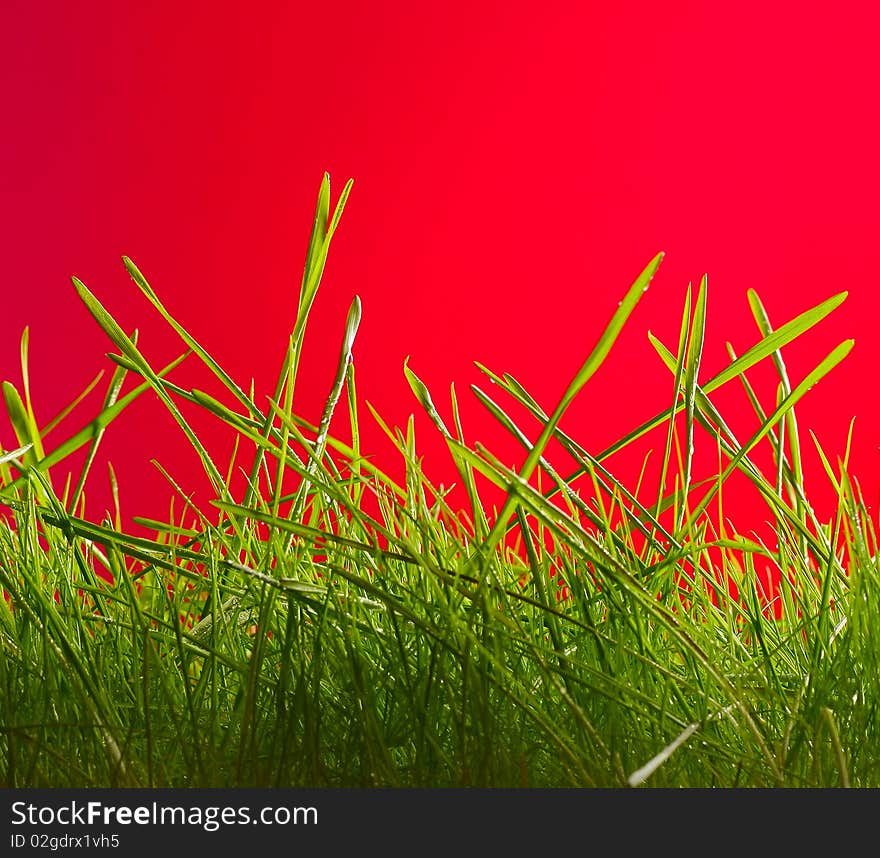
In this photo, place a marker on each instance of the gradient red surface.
(515, 167)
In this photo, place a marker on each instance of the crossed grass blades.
(322, 624)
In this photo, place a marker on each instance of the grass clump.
(323, 624)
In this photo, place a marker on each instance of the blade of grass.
(831, 360)
(592, 363)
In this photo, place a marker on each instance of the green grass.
(323, 624)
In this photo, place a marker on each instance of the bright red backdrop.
(515, 167)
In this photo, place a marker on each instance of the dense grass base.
(325, 625)
(364, 670)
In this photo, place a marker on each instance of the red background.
(515, 166)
